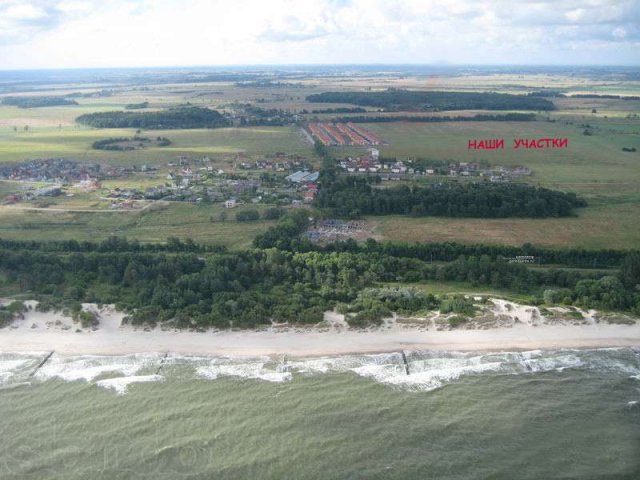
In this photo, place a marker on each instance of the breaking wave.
(420, 371)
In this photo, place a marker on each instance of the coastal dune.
(49, 331)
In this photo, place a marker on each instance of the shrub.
(457, 320)
(247, 216)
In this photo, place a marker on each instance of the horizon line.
(345, 64)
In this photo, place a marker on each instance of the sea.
(567, 414)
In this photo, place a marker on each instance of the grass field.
(465, 288)
(605, 226)
(597, 158)
(154, 225)
(75, 143)
(593, 166)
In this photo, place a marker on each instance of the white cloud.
(73, 6)
(24, 12)
(67, 33)
(619, 32)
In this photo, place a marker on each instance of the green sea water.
(532, 415)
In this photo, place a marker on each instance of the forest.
(190, 286)
(123, 144)
(507, 117)
(172, 118)
(38, 101)
(409, 100)
(136, 106)
(353, 196)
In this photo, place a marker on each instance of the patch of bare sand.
(113, 338)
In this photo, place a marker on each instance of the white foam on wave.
(428, 373)
(427, 370)
(89, 367)
(8, 368)
(252, 370)
(431, 370)
(546, 363)
(121, 384)
(345, 363)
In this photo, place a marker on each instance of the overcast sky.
(127, 33)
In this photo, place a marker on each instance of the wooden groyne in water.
(162, 363)
(41, 364)
(406, 364)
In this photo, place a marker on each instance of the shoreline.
(50, 331)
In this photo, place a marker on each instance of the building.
(301, 176)
(309, 196)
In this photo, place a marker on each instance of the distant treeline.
(555, 93)
(122, 144)
(266, 84)
(272, 117)
(251, 288)
(339, 110)
(111, 244)
(546, 93)
(399, 100)
(183, 117)
(136, 106)
(614, 97)
(507, 117)
(351, 197)
(36, 102)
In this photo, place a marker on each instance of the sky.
(139, 33)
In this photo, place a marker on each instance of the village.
(393, 169)
(281, 179)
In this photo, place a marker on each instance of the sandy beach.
(51, 331)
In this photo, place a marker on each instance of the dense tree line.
(247, 215)
(38, 101)
(351, 197)
(614, 97)
(255, 287)
(111, 245)
(287, 235)
(272, 117)
(337, 110)
(180, 117)
(136, 106)
(122, 144)
(546, 93)
(113, 144)
(408, 100)
(507, 117)
(449, 251)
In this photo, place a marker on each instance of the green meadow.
(201, 223)
(75, 143)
